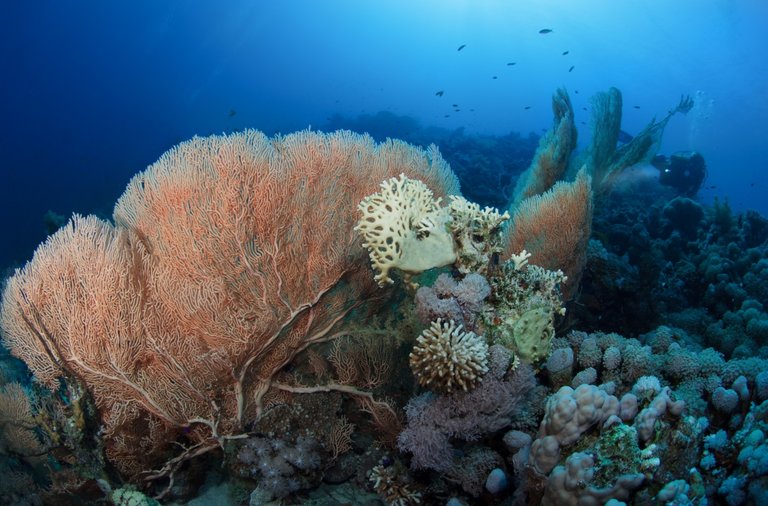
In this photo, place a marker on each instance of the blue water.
(93, 91)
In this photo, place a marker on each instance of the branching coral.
(476, 233)
(392, 485)
(446, 358)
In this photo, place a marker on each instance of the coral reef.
(674, 261)
(448, 299)
(266, 321)
(392, 485)
(433, 420)
(404, 227)
(524, 303)
(229, 257)
(605, 159)
(606, 125)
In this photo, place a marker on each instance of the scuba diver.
(684, 171)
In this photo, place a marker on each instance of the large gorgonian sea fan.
(228, 257)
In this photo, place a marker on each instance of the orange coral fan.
(228, 257)
(554, 228)
(551, 159)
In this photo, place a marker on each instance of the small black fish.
(494, 77)
(232, 112)
(583, 122)
(751, 184)
(461, 47)
(471, 110)
(457, 110)
(439, 93)
(711, 187)
(527, 107)
(565, 53)
(584, 108)
(636, 106)
(572, 67)
(454, 105)
(447, 116)
(545, 31)
(576, 91)
(511, 63)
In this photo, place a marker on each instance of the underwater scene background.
(495, 252)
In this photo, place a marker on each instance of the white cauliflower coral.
(476, 233)
(404, 227)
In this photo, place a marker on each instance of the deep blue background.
(93, 92)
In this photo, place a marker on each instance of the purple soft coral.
(434, 420)
(451, 300)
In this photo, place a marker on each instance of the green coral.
(130, 497)
(533, 333)
(616, 454)
(529, 335)
(525, 299)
